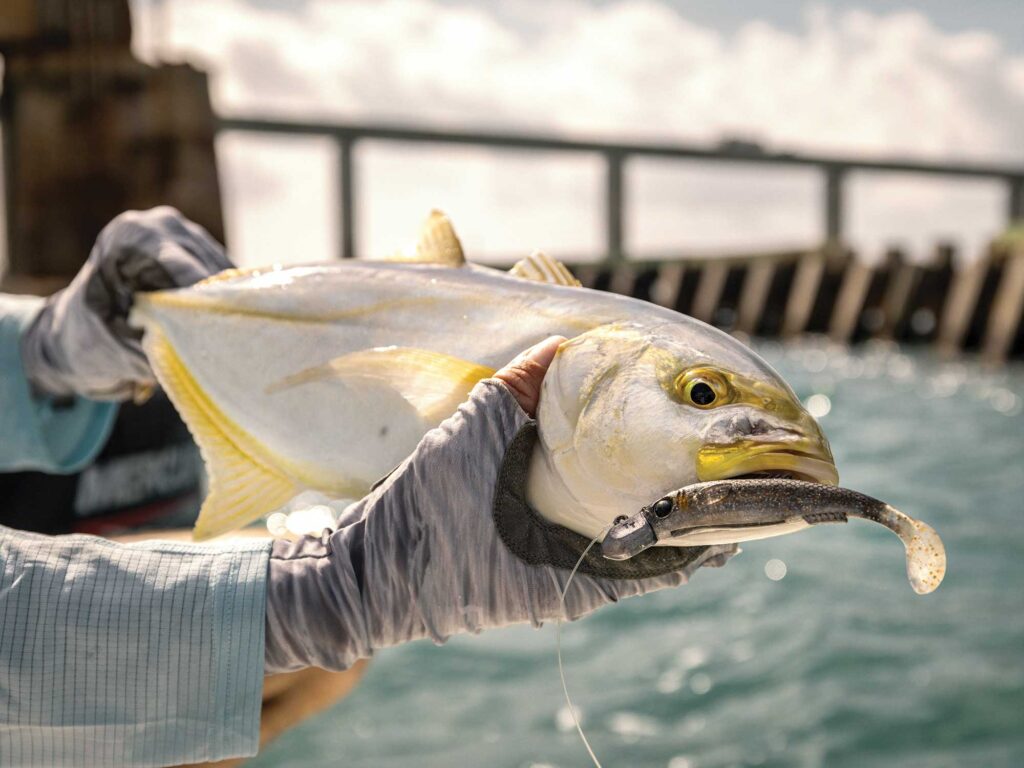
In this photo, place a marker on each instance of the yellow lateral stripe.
(220, 304)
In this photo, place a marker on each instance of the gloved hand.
(81, 343)
(422, 554)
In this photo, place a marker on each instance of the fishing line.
(558, 645)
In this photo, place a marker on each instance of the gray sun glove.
(81, 343)
(420, 556)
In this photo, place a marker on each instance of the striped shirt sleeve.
(147, 654)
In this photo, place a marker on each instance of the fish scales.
(326, 377)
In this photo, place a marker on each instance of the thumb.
(524, 375)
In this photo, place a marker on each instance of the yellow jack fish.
(326, 377)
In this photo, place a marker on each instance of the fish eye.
(662, 507)
(702, 388)
(700, 393)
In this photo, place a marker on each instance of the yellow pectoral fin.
(432, 382)
(244, 484)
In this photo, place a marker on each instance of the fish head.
(629, 413)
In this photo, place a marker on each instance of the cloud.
(856, 83)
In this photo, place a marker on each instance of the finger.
(525, 374)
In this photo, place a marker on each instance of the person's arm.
(61, 355)
(42, 433)
(147, 654)
(447, 545)
(152, 654)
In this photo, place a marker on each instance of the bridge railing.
(834, 169)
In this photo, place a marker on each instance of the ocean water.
(806, 650)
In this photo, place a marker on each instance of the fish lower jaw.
(770, 474)
(718, 464)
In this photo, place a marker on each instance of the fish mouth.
(804, 459)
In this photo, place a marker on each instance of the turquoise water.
(838, 663)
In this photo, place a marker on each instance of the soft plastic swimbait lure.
(743, 509)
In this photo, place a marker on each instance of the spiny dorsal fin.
(432, 382)
(438, 242)
(544, 269)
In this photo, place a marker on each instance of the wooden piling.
(665, 290)
(709, 289)
(643, 283)
(850, 302)
(803, 293)
(832, 291)
(727, 308)
(979, 318)
(903, 281)
(775, 303)
(959, 306)
(1004, 320)
(836, 261)
(755, 295)
(622, 279)
(585, 273)
(687, 294)
(925, 304)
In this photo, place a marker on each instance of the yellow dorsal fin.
(438, 242)
(432, 382)
(246, 481)
(544, 269)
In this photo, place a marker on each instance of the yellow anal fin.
(244, 485)
(542, 268)
(432, 382)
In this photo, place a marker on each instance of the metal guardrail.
(834, 168)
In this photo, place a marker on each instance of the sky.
(1001, 18)
(936, 80)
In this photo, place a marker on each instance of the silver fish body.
(324, 378)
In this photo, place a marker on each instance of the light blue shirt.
(147, 654)
(36, 433)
